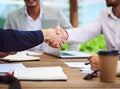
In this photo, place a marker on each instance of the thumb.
(58, 30)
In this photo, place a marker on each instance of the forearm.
(12, 40)
(85, 33)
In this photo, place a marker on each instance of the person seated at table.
(12, 41)
(30, 16)
(108, 24)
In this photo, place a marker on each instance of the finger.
(61, 32)
(94, 68)
(54, 44)
(61, 44)
(89, 58)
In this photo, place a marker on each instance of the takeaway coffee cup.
(108, 65)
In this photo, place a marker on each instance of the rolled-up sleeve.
(85, 33)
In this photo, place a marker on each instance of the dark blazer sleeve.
(15, 40)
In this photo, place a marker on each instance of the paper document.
(86, 70)
(41, 73)
(84, 66)
(19, 57)
(78, 64)
(11, 67)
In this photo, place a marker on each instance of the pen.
(91, 75)
(6, 74)
(27, 54)
(87, 63)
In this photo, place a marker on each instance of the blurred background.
(87, 12)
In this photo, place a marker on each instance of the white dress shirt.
(107, 24)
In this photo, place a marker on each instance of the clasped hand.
(55, 37)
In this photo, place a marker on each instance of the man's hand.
(63, 34)
(94, 61)
(4, 54)
(61, 31)
(55, 37)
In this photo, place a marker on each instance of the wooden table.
(75, 78)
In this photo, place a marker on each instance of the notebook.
(19, 57)
(41, 73)
(64, 54)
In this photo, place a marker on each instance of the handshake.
(55, 37)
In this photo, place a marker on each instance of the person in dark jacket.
(12, 41)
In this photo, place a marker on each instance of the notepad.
(11, 67)
(41, 73)
(19, 57)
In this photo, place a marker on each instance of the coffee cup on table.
(108, 60)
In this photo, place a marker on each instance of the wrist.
(45, 33)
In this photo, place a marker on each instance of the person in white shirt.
(29, 18)
(108, 24)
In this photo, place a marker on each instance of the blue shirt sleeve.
(15, 40)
